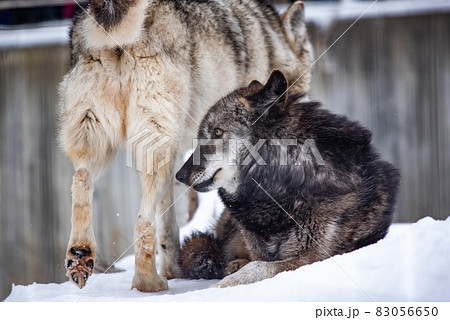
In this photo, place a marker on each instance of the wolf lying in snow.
(156, 66)
(299, 183)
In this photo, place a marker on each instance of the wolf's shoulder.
(328, 127)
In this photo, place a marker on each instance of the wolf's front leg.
(80, 256)
(256, 271)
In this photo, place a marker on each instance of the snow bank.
(411, 264)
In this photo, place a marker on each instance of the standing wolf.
(300, 184)
(157, 65)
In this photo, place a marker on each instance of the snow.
(411, 264)
(209, 210)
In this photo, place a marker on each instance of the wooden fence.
(391, 74)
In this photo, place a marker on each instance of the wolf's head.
(227, 130)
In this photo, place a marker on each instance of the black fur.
(202, 257)
(298, 214)
(219, 251)
(109, 13)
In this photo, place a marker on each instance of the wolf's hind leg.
(259, 270)
(80, 257)
(168, 236)
(81, 250)
(92, 127)
(91, 142)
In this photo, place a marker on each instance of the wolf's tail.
(115, 22)
(202, 257)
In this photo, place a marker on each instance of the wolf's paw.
(79, 264)
(149, 283)
(252, 272)
(235, 266)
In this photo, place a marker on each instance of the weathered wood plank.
(392, 74)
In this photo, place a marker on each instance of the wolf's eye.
(218, 132)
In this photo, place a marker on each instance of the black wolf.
(315, 187)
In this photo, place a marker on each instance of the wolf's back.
(253, 38)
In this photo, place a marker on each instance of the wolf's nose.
(182, 176)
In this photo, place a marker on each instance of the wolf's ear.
(273, 91)
(277, 85)
(255, 84)
(294, 25)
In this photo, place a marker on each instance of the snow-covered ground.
(411, 264)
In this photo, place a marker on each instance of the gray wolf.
(288, 206)
(141, 65)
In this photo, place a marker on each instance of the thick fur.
(202, 257)
(158, 65)
(290, 214)
(213, 256)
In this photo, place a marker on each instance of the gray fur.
(157, 65)
(251, 32)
